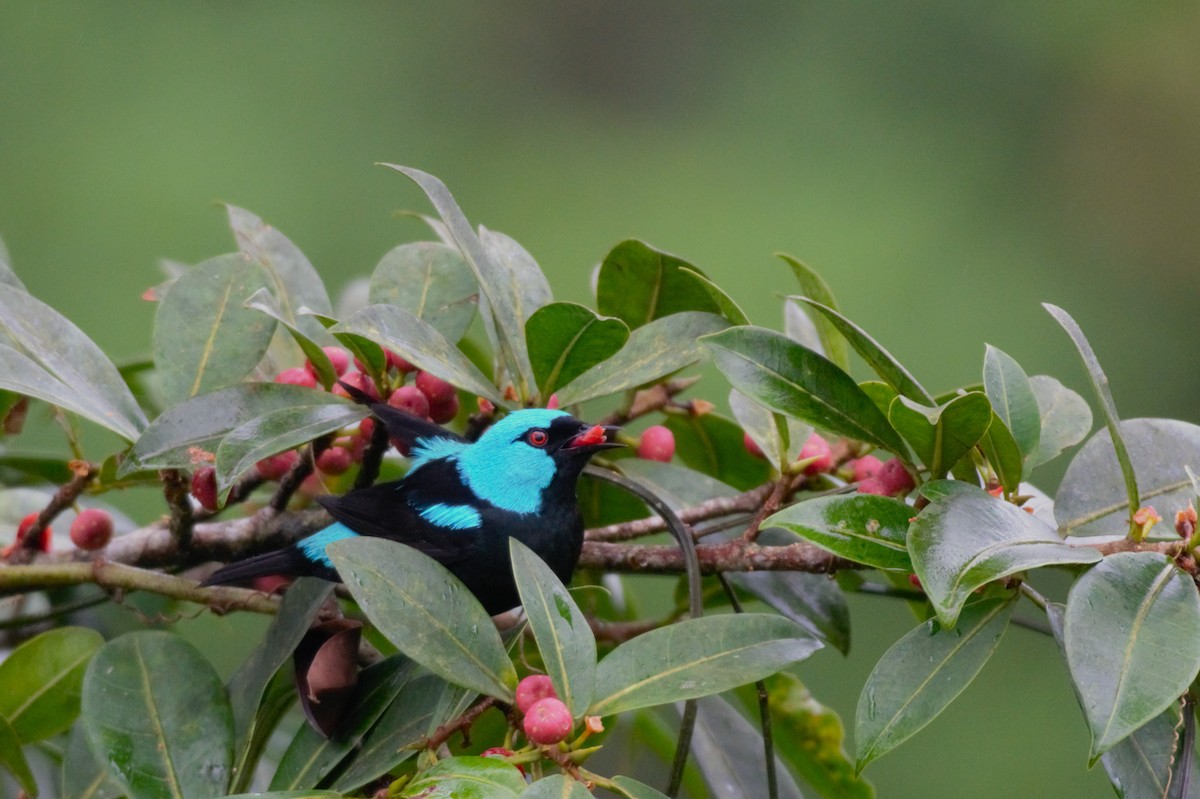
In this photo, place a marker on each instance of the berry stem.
(63, 498)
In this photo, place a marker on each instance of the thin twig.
(1187, 747)
(746, 502)
(303, 468)
(177, 491)
(368, 473)
(63, 498)
(462, 723)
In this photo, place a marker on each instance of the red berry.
(366, 429)
(335, 460)
(271, 584)
(752, 446)
(435, 389)
(818, 448)
(548, 721)
(501, 753)
(533, 688)
(657, 444)
(552, 403)
(915, 582)
(296, 377)
(204, 487)
(894, 478)
(442, 412)
(23, 529)
(866, 467)
(92, 529)
(357, 380)
(872, 486)
(339, 359)
(276, 466)
(410, 399)
(312, 486)
(394, 361)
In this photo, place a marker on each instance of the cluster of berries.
(871, 475)
(91, 529)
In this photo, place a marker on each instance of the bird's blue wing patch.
(431, 449)
(451, 517)
(313, 547)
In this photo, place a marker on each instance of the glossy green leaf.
(249, 683)
(43, 335)
(786, 377)
(636, 790)
(966, 540)
(1002, 452)
(40, 681)
(714, 445)
(368, 353)
(417, 342)
(1149, 763)
(676, 485)
(204, 339)
(12, 757)
(1091, 498)
(528, 285)
(559, 627)
(499, 284)
(815, 750)
(638, 284)
(426, 613)
(24, 469)
(1012, 395)
(83, 776)
(430, 280)
(726, 305)
(763, 427)
(1066, 418)
(863, 528)
(263, 300)
(652, 352)
(922, 674)
(942, 435)
(883, 362)
(558, 786)
(467, 778)
(565, 340)
(1100, 385)
(728, 751)
(278, 431)
(7, 276)
(833, 342)
(189, 433)
(696, 657)
(1132, 635)
(155, 706)
(311, 756)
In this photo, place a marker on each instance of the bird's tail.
(288, 561)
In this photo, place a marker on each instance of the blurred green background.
(947, 166)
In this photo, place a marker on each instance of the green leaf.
(277, 431)
(422, 345)
(652, 352)
(263, 300)
(1100, 385)
(499, 284)
(1066, 418)
(883, 362)
(249, 683)
(528, 285)
(83, 776)
(728, 751)
(7, 276)
(368, 353)
(863, 528)
(1132, 635)
(289, 795)
(1147, 763)
(426, 613)
(12, 757)
(25, 469)
(777, 372)
(430, 280)
(696, 657)
(766, 429)
(204, 339)
(565, 340)
(833, 343)
(638, 284)
(558, 786)
(40, 681)
(1002, 452)
(467, 778)
(636, 790)
(944, 434)
(62, 350)
(676, 485)
(726, 305)
(922, 674)
(816, 750)
(311, 756)
(811, 600)
(188, 434)
(1091, 498)
(966, 540)
(714, 445)
(1012, 395)
(560, 629)
(156, 709)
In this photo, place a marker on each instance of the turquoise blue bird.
(460, 502)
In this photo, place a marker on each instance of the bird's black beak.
(593, 438)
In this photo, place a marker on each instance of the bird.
(460, 502)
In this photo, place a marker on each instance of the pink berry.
(752, 446)
(357, 380)
(271, 583)
(92, 529)
(657, 444)
(296, 377)
(548, 721)
(410, 399)
(335, 460)
(23, 528)
(339, 359)
(533, 688)
(204, 487)
(442, 412)
(866, 467)
(552, 403)
(312, 486)
(501, 753)
(434, 388)
(895, 478)
(818, 448)
(276, 466)
(394, 361)
(872, 486)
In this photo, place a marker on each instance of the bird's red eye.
(537, 438)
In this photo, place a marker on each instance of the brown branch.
(305, 466)
(649, 400)
(710, 509)
(730, 556)
(618, 632)
(462, 723)
(177, 490)
(63, 498)
(781, 490)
